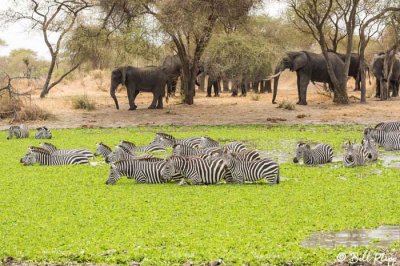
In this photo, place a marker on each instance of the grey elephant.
(148, 79)
(309, 67)
(378, 71)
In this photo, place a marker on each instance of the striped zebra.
(389, 140)
(44, 157)
(371, 148)
(197, 170)
(102, 149)
(43, 133)
(121, 153)
(320, 154)
(207, 142)
(388, 126)
(354, 155)
(149, 148)
(169, 141)
(183, 150)
(251, 171)
(141, 170)
(20, 132)
(53, 149)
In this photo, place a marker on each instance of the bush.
(32, 112)
(286, 105)
(255, 97)
(83, 102)
(9, 106)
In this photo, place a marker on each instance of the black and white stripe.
(122, 153)
(43, 133)
(207, 142)
(149, 148)
(183, 150)
(141, 170)
(197, 170)
(371, 148)
(354, 155)
(102, 149)
(44, 157)
(388, 126)
(21, 131)
(169, 141)
(389, 140)
(251, 171)
(320, 154)
(53, 150)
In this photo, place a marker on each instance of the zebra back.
(206, 142)
(44, 157)
(122, 153)
(53, 149)
(235, 146)
(388, 126)
(184, 150)
(155, 147)
(389, 140)
(43, 133)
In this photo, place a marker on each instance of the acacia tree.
(54, 18)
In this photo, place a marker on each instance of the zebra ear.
(225, 150)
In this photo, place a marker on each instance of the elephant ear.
(300, 61)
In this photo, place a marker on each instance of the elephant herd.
(309, 67)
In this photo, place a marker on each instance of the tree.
(54, 18)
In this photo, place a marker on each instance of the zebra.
(320, 154)
(43, 133)
(53, 149)
(388, 126)
(20, 132)
(354, 155)
(141, 170)
(149, 148)
(183, 150)
(102, 149)
(122, 153)
(44, 157)
(389, 140)
(251, 171)
(197, 170)
(170, 141)
(207, 142)
(371, 148)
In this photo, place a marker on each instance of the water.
(381, 237)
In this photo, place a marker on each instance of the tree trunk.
(202, 80)
(45, 89)
(362, 69)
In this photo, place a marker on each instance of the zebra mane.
(49, 144)
(14, 127)
(104, 145)
(124, 149)
(164, 135)
(378, 125)
(128, 143)
(39, 150)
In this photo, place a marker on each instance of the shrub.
(255, 97)
(83, 102)
(286, 105)
(32, 112)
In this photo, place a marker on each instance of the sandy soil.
(253, 109)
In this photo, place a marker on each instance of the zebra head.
(29, 158)
(102, 149)
(164, 139)
(301, 148)
(113, 176)
(13, 130)
(43, 133)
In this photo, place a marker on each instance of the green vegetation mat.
(68, 214)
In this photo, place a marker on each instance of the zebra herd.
(22, 131)
(202, 160)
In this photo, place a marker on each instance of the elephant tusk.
(273, 76)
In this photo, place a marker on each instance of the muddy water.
(381, 237)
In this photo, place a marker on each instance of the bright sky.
(19, 35)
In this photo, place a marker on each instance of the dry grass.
(32, 112)
(9, 106)
(83, 102)
(255, 97)
(286, 105)
(20, 111)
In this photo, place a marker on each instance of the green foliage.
(67, 214)
(18, 62)
(83, 102)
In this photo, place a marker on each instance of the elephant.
(148, 79)
(173, 66)
(378, 71)
(354, 69)
(309, 67)
(215, 83)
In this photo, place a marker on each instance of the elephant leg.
(209, 85)
(395, 88)
(132, 93)
(154, 102)
(160, 102)
(304, 80)
(216, 88)
(378, 88)
(298, 88)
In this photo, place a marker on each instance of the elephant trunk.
(279, 68)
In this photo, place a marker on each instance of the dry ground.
(211, 111)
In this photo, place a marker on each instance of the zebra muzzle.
(295, 160)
